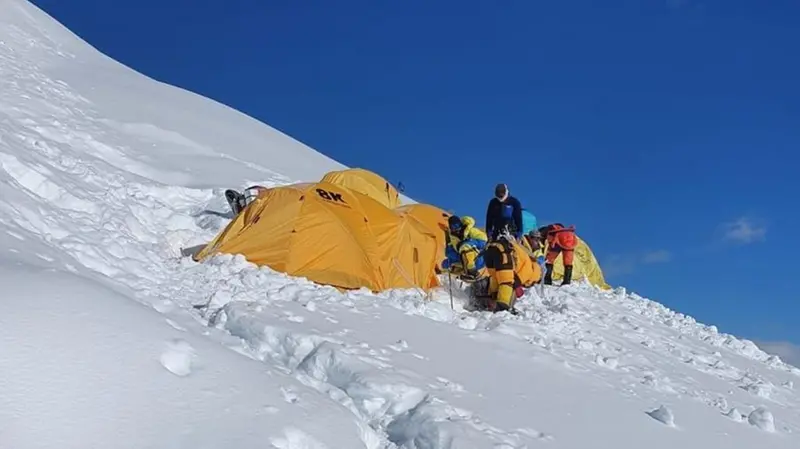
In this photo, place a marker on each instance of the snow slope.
(108, 338)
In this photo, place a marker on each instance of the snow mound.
(177, 357)
(664, 415)
(111, 339)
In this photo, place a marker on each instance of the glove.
(446, 264)
(540, 260)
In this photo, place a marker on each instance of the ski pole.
(450, 281)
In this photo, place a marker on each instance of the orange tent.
(367, 183)
(331, 235)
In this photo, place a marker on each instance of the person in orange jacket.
(560, 240)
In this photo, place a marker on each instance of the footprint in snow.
(175, 325)
(537, 340)
(533, 433)
(450, 385)
(295, 439)
(584, 345)
(293, 318)
(271, 409)
(717, 402)
(608, 362)
(164, 306)
(399, 346)
(289, 395)
(15, 235)
(178, 357)
(735, 415)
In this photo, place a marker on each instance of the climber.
(536, 243)
(464, 248)
(504, 212)
(504, 284)
(560, 240)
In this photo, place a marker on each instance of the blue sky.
(667, 131)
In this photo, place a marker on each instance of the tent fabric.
(584, 265)
(528, 271)
(367, 183)
(434, 219)
(528, 221)
(331, 235)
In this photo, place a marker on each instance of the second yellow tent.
(433, 218)
(367, 183)
(584, 265)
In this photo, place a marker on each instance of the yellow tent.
(583, 265)
(529, 272)
(433, 218)
(331, 235)
(367, 183)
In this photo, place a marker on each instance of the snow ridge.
(101, 180)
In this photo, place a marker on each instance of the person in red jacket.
(560, 240)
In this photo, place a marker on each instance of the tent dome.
(584, 265)
(528, 221)
(331, 235)
(367, 183)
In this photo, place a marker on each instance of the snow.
(84, 366)
(111, 339)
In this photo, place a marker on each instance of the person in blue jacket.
(464, 251)
(503, 213)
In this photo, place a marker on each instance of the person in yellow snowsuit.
(498, 270)
(504, 284)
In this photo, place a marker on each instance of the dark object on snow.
(236, 201)
(192, 250)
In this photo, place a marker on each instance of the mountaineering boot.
(548, 274)
(567, 275)
(501, 307)
(479, 294)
